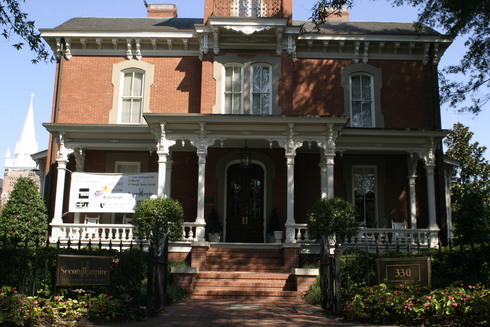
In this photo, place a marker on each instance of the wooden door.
(245, 204)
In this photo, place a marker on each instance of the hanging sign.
(92, 192)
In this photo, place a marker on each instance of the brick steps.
(243, 274)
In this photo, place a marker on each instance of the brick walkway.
(241, 313)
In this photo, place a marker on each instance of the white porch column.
(201, 143)
(330, 176)
(327, 162)
(62, 160)
(412, 176)
(163, 150)
(430, 163)
(168, 184)
(79, 155)
(323, 176)
(290, 145)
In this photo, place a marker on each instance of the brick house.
(245, 111)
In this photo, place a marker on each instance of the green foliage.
(24, 217)
(153, 218)
(332, 218)
(471, 191)
(469, 19)
(65, 309)
(461, 306)
(314, 294)
(14, 20)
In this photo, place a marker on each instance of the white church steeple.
(26, 145)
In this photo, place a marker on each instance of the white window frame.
(372, 102)
(131, 97)
(376, 191)
(224, 93)
(119, 164)
(269, 109)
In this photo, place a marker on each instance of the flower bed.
(413, 305)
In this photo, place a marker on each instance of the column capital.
(291, 143)
(328, 144)
(79, 155)
(429, 155)
(163, 141)
(64, 151)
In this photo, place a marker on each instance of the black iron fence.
(343, 270)
(134, 270)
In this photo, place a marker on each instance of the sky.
(25, 78)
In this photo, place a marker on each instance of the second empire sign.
(78, 270)
(396, 271)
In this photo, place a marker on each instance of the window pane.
(228, 108)
(136, 111)
(237, 104)
(237, 80)
(356, 88)
(138, 84)
(127, 84)
(126, 111)
(364, 193)
(228, 78)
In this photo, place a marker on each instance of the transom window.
(256, 97)
(132, 97)
(362, 108)
(364, 189)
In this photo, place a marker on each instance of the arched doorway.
(245, 204)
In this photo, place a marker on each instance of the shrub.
(332, 218)
(153, 218)
(24, 217)
(458, 305)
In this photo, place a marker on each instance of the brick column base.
(291, 256)
(198, 254)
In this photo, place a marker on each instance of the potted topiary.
(335, 218)
(213, 226)
(274, 229)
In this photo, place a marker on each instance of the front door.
(245, 204)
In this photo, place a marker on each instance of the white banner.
(92, 192)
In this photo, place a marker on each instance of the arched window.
(261, 89)
(362, 95)
(233, 86)
(361, 100)
(132, 96)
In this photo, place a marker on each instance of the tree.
(154, 218)
(468, 18)
(335, 218)
(15, 21)
(471, 190)
(24, 216)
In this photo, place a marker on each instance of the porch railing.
(124, 233)
(379, 236)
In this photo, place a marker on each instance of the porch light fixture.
(246, 156)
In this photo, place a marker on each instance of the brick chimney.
(161, 10)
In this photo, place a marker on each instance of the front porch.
(123, 236)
